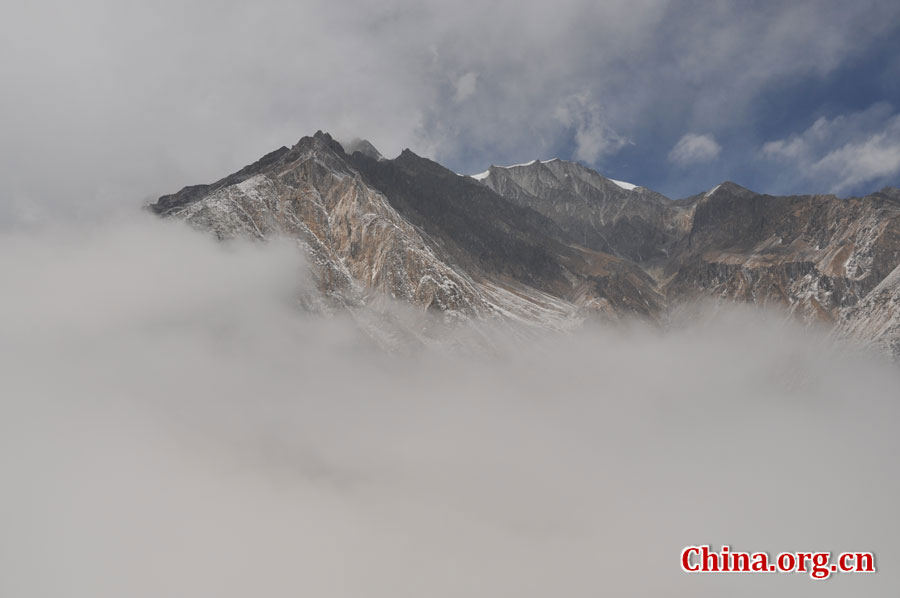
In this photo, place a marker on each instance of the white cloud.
(843, 152)
(594, 138)
(171, 426)
(465, 86)
(874, 159)
(695, 149)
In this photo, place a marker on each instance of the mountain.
(548, 244)
(631, 222)
(356, 242)
(507, 245)
(412, 230)
(816, 255)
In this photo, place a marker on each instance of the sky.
(115, 103)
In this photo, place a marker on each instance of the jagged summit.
(324, 138)
(729, 187)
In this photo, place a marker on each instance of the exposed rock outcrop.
(812, 254)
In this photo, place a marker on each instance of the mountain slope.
(496, 239)
(876, 319)
(606, 215)
(813, 254)
(357, 243)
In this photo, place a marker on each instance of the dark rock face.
(551, 243)
(632, 223)
(480, 229)
(496, 239)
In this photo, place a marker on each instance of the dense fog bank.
(171, 425)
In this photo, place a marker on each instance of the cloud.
(695, 149)
(465, 86)
(844, 152)
(118, 102)
(874, 159)
(594, 138)
(172, 425)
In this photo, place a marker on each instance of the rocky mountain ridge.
(551, 243)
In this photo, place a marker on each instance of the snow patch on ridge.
(624, 185)
(483, 175)
(525, 164)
